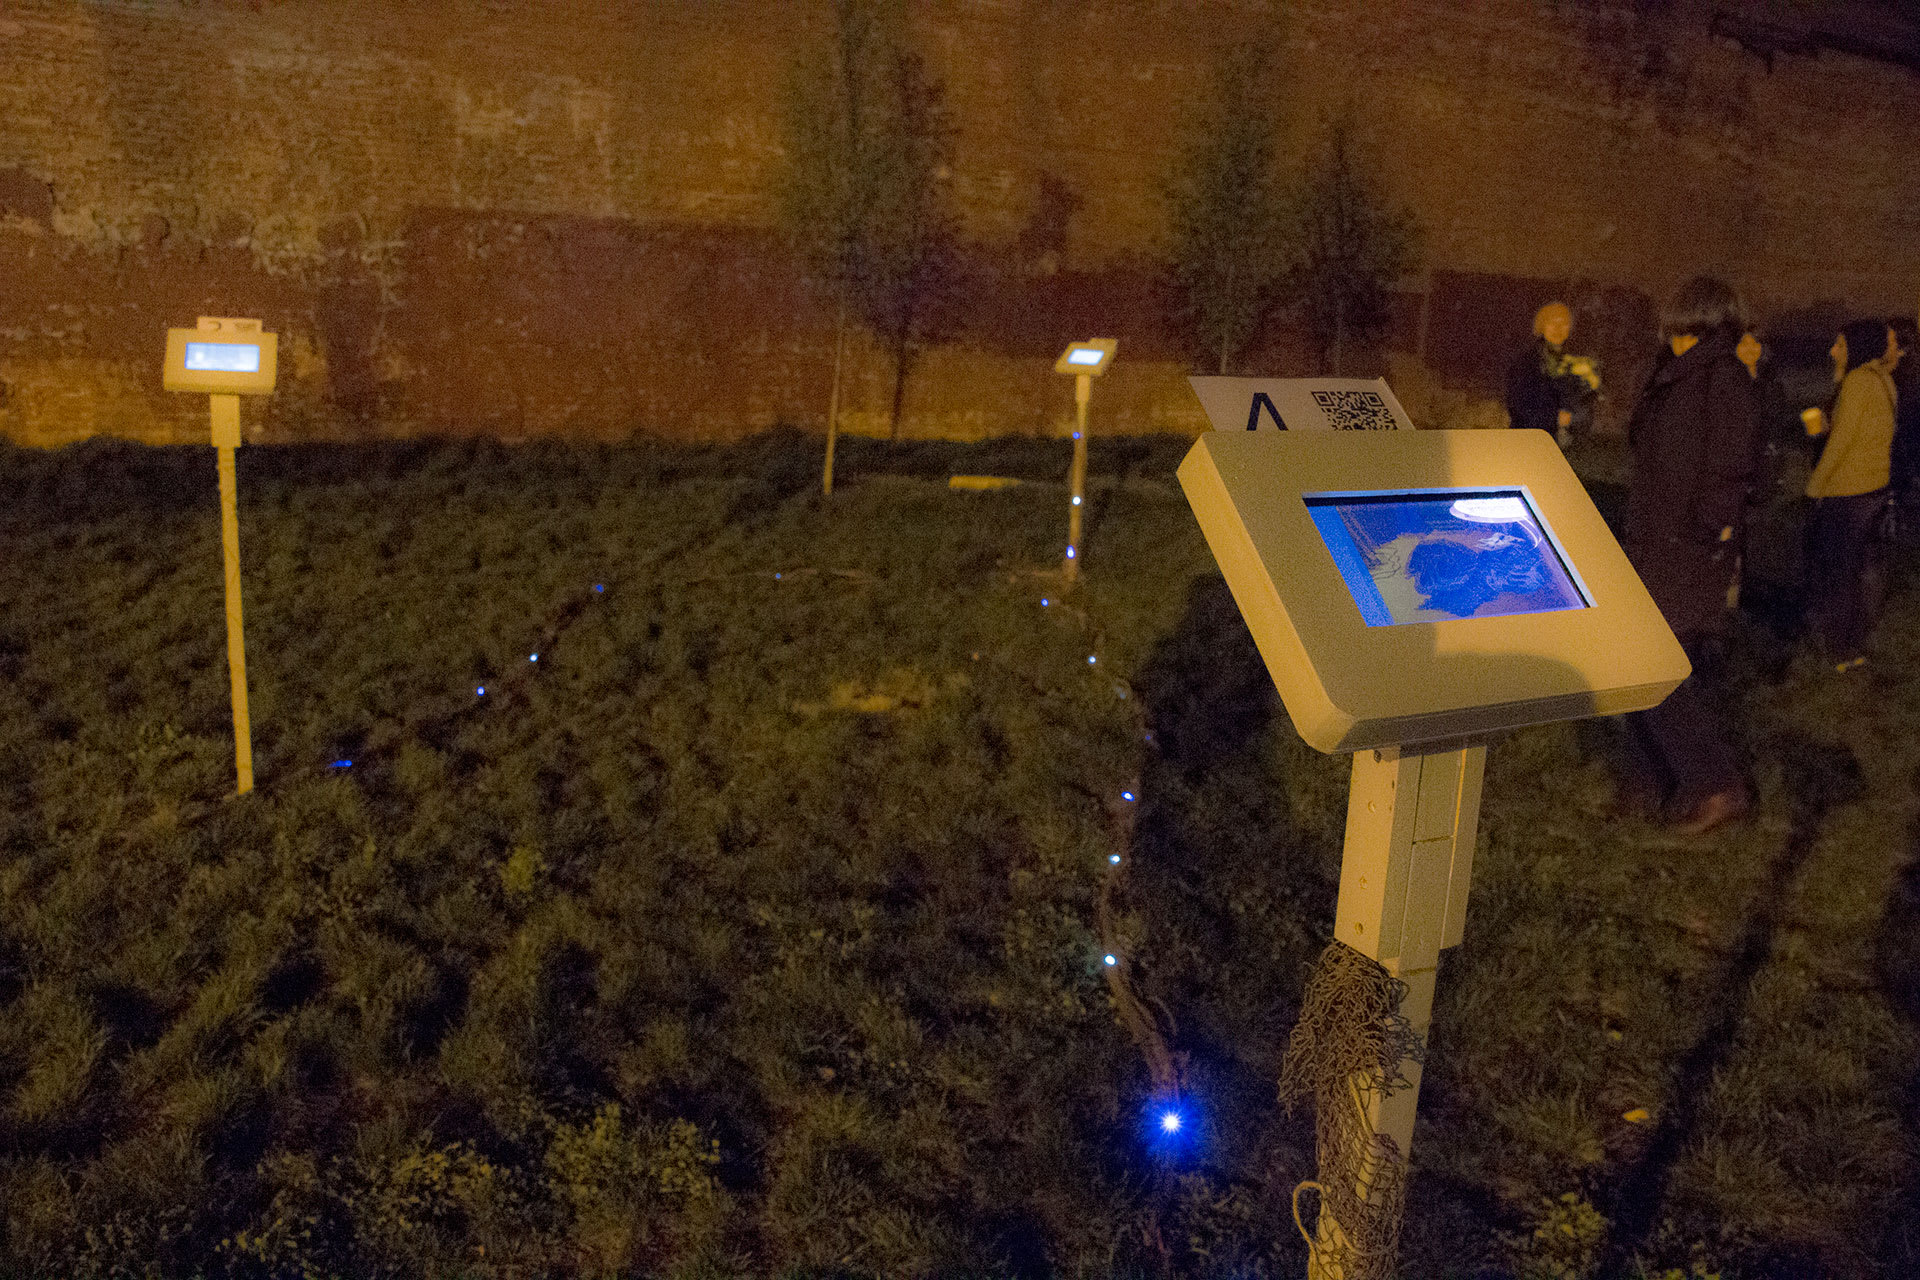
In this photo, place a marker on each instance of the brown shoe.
(1718, 808)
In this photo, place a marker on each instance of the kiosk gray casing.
(1349, 686)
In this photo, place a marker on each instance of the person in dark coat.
(1906, 431)
(1694, 435)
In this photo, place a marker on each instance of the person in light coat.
(1849, 488)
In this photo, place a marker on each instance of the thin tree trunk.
(1339, 334)
(1226, 328)
(900, 358)
(833, 400)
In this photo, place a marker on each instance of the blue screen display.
(223, 357)
(1434, 556)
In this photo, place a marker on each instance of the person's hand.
(1566, 417)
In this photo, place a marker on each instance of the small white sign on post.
(1300, 404)
(1084, 361)
(226, 357)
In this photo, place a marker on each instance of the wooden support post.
(1082, 392)
(1412, 819)
(226, 437)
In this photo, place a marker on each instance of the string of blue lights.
(1168, 1127)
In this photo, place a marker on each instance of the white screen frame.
(175, 375)
(1349, 686)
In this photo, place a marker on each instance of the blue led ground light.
(1172, 1129)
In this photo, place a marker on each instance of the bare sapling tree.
(863, 194)
(911, 259)
(1352, 244)
(1226, 206)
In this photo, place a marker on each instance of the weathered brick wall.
(556, 216)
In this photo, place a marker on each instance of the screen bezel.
(1453, 493)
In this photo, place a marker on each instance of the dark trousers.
(1680, 750)
(1841, 535)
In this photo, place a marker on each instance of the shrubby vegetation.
(864, 194)
(1229, 212)
(1252, 235)
(754, 928)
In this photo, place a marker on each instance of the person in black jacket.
(1906, 431)
(1694, 438)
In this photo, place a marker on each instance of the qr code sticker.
(1355, 410)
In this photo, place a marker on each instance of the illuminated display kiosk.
(1414, 593)
(1085, 361)
(226, 358)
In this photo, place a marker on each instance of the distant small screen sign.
(1086, 355)
(223, 357)
(1436, 555)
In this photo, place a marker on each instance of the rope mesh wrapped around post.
(1349, 1047)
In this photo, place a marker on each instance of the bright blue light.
(599, 587)
(1044, 602)
(1076, 435)
(776, 577)
(533, 657)
(1069, 553)
(1076, 499)
(341, 764)
(1127, 796)
(1114, 858)
(1091, 659)
(1111, 960)
(1172, 1127)
(480, 692)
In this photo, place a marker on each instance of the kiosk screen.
(1432, 555)
(223, 357)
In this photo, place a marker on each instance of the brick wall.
(556, 216)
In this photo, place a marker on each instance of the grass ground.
(757, 926)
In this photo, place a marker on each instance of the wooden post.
(1412, 819)
(1082, 392)
(226, 437)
